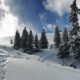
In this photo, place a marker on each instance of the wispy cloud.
(9, 22)
(58, 6)
(51, 27)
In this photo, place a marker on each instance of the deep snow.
(22, 69)
(40, 66)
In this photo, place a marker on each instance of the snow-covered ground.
(3, 63)
(40, 66)
(22, 69)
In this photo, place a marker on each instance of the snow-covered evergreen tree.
(43, 40)
(74, 34)
(24, 39)
(74, 18)
(11, 41)
(64, 47)
(57, 39)
(30, 41)
(65, 37)
(17, 40)
(36, 42)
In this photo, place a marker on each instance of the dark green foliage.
(74, 35)
(65, 37)
(64, 48)
(76, 48)
(36, 42)
(74, 18)
(17, 40)
(64, 51)
(43, 40)
(11, 41)
(30, 41)
(57, 39)
(24, 39)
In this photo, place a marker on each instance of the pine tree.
(36, 42)
(24, 39)
(17, 40)
(64, 50)
(74, 18)
(57, 39)
(64, 47)
(74, 35)
(30, 41)
(65, 37)
(43, 40)
(11, 41)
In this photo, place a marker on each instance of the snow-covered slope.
(40, 66)
(22, 69)
(3, 62)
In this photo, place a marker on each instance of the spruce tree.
(65, 37)
(24, 39)
(74, 34)
(74, 18)
(64, 47)
(43, 40)
(30, 41)
(36, 42)
(17, 40)
(57, 39)
(11, 41)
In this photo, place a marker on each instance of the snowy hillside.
(22, 69)
(40, 66)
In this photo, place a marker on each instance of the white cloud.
(51, 27)
(78, 3)
(28, 26)
(42, 17)
(8, 25)
(8, 22)
(58, 6)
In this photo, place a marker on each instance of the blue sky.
(35, 15)
(42, 13)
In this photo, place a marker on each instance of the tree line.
(69, 43)
(29, 42)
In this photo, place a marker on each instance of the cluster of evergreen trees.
(61, 41)
(69, 42)
(28, 42)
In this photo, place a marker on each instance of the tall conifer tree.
(74, 35)
(36, 42)
(17, 40)
(65, 37)
(43, 40)
(24, 39)
(30, 40)
(57, 39)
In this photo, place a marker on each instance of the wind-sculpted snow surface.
(44, 65)
(3, 62)
(27, 69)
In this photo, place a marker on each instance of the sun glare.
(8, 23)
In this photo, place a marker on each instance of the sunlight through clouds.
(8, 23)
